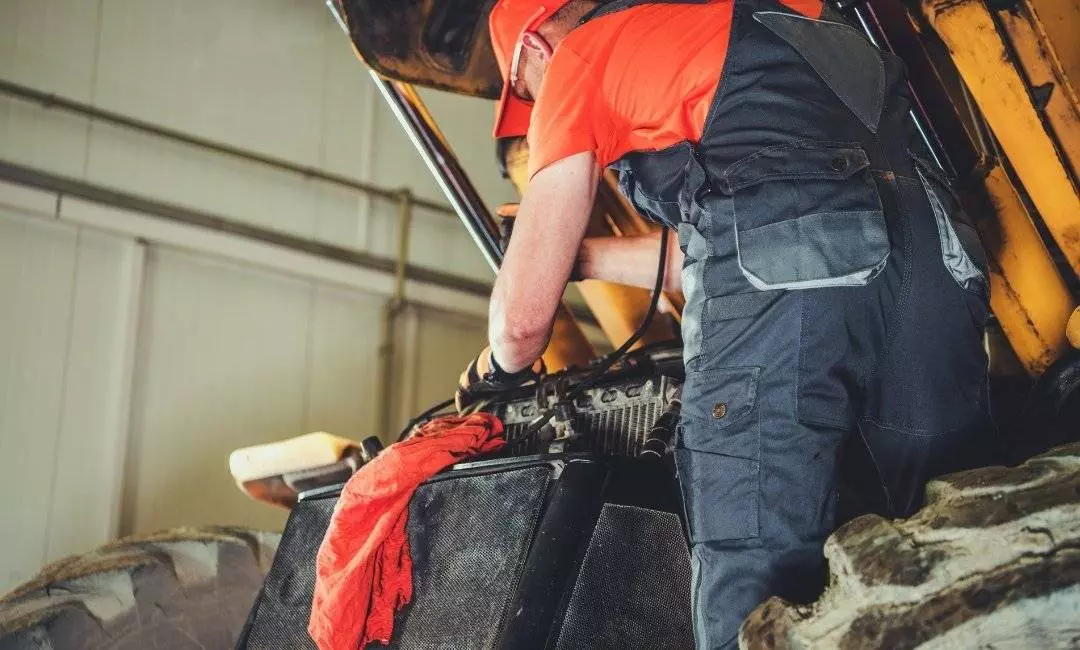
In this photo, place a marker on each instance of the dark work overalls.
(833, 287)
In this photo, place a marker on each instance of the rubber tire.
(991, 561)
(182, 588)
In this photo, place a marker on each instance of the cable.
(423, 416)
(595, 373)
(608, 361)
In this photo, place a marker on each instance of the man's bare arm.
(548, 231)
(630, 260)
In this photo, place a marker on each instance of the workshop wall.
(135, 354)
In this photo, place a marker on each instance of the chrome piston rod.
(414, 118)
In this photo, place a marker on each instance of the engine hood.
(441, 44)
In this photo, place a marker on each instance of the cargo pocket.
(719, 452)
(961, 250)
(807, 215)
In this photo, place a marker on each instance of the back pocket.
(807, 215)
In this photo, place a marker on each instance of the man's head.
(524, 34)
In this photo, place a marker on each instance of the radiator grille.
(469, 537)
(614, 419)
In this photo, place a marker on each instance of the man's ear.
(538, 47)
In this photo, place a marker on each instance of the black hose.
(598, 371)
(423, 416)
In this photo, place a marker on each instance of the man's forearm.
(547, 235)
(630, 260)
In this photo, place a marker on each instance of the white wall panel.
(43, 139)
(37, 262)
(94, 407)
(135, 353)
(52, 44)
(183, 175)
(62, 345)
(343, 340)
(433, 347)
(222, 364)
(247, 72)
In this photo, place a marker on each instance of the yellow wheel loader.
(574, 536)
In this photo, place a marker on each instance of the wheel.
(991, 561)
(182, 588)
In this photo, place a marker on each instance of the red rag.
(363, 572)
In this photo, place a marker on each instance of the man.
(833, 286)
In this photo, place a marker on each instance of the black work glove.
(483, 377)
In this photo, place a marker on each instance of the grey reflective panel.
(848, 64)
(695, 248)
(959, 264)
(814, 251)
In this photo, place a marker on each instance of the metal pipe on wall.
(51, 101)
(391, 310)
(67, 186)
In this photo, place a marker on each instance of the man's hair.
(569, 14)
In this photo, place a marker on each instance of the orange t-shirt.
(641, 79)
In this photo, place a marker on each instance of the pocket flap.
(722, 397)
(793, 161)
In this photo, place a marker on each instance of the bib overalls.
(834, 288)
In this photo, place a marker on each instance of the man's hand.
(483, 376)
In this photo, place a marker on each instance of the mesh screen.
(633, 590)
(279, 620)
(469, 539)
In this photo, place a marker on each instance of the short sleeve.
(563, 118)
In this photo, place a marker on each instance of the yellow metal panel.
(1027, 293)
(1073, 330)
(979, 53)
(1043, 68)
(1061, 22)
(568, 345)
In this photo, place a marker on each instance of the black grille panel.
(280, 617)
(468, 537)
(633, 589)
